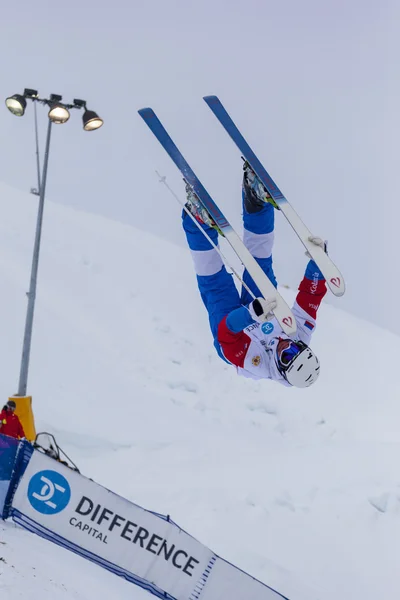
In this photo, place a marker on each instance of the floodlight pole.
(26, 349)
(37, 151)
(58, 113)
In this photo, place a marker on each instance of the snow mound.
(290, 485)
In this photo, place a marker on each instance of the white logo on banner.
(49, 492)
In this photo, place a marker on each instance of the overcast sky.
(313, 85)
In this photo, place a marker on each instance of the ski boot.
(255, 193)
(196, 208)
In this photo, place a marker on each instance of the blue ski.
(334, 278)
(282, 312)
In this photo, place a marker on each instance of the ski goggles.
(286, 356)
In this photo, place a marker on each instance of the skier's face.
(283, 344)
(286, 350)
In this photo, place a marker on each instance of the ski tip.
(145, 113)
(211, 99)
(290, 330)
(337, 292)
(336, 286)
(286, 320)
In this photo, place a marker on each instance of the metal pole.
(37, 149)
(26, 349)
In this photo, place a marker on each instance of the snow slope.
(30, 567)
(301, 488)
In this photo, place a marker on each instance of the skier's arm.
(21, 432)
(234, 342)
(312, 289)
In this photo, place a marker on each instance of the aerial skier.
(246, 333)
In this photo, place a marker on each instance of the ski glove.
(317, 241)
(261, 310)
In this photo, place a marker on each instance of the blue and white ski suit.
(238, 339)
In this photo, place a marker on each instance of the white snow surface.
(301, 488)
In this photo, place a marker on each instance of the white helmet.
(297, 363)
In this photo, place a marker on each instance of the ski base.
(333, 277)
(282, 312)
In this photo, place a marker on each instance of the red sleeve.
(311, 292)
(234, 345)
(21, 432)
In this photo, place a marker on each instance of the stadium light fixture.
(91, 120)
(29, 93)
(59, 114)
(16, 105)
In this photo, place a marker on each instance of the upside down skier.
(246, 333)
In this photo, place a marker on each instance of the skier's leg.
(258, 238)
(216, 286)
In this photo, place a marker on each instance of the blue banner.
(8, 452)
